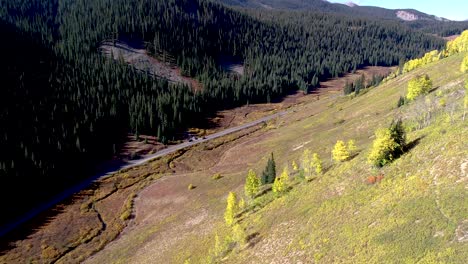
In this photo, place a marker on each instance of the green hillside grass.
(415, 215)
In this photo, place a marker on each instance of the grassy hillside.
(416, 214)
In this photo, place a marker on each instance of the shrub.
(388, 145)
(191, 187)
(339, 152)
(281, 182)
(418, 86)
(216, 176)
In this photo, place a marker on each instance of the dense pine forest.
(64, 105)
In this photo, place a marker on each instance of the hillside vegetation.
(63, 103)
(411, 210)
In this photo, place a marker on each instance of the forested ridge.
(65, 106)
(426, 23)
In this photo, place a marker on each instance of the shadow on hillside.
(411, 145)
(253, 239)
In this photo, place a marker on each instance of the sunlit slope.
(417, 213)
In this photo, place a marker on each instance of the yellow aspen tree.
(231, 208)
(464, 65)
(352, 146)
(339, 152)
(238, 234)
(418, 86)
(305, 162)
(317, 163)
(252, 184)
(281, 182)
(465, 101)
(294, 165)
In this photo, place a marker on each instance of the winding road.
(114, 167)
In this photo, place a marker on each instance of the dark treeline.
(65, 107)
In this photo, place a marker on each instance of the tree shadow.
(434, 89)
(411, 145)
(253, 239)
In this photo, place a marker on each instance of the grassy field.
(418, 213)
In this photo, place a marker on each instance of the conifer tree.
(252, 184)
(339, 152)
(269, 174)
(231, 208)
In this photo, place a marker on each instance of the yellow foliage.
(382, 148)
(418, 86)
(339, 152)
(352, 146)
(252, 184)
(295, 166)
(231, 208)
(281, 182)
(457, 45)
(426, 59)
(305, 162)
(464, 65)
(316, 163)
(238, 234)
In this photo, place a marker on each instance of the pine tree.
(231, 208)
(252, 184)
(339, 152)
(269, 174)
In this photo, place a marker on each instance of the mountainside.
(69, 104)
(410, 208)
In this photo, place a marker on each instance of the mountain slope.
(415, 213)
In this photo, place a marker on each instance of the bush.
(191, 187)
(388, 145)
(216, 176)
(418, 86)
(339, 152)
